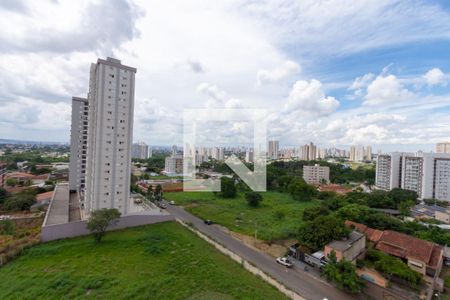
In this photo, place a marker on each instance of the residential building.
(423, 211)
(349, 248)
(78, 144)
(249, 155)
(316, 174)
(308, 152)
(428, 174)
(174, 150)
(273, 149)
(174, 165)
(443, 147)
(422, 256)
(140, 150)
(110, 135)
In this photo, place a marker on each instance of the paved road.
(298, 280)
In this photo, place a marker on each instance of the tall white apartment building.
(359, 153)
(249, 156)
(140, 150)
(110, 135)
(78, 144)
(443, 147)
(316, 174)
(273, 149)
(428, 174)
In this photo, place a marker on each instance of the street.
(295, 279)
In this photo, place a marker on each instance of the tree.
(20, 201)
(158, 193)
(301, 191)
(11, 182)
(343, 273)
(253, 198)
(405, 207)
(3, 195)
(150, 194)
(322, 230)
(99, 221)
(311, 213)
(7, 227)
(227, 187)
(400, 195)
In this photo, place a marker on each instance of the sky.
(335, 72)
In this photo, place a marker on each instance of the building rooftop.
(343, 245)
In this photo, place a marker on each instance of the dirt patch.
(193, 204)
(275, 249)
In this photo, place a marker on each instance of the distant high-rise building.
(78, 144)
(140, 150)
(249, 155)
(311, 151)
(359, 153)
(428, 174)
(443, 147)
(273, 149)
(368, 153)
(110, 134)
(316, 174)
(174, 150)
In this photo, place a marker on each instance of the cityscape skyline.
(388, 98)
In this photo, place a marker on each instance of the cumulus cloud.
(386, 89)
(98, 26)
(435, 76)
(310, 97)
(284, 71)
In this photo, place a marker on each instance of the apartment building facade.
(273, 148)
(78, 144)
(140, 151)
(316, 174)
(110, 135)
(443, 147)
(174, 165)
(428, 174)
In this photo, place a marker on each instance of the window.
(111, 75)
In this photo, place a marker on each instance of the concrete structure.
(428, 174)
(423, 211)
(316, 174)
(174, 165)
(349, 248)
(359, 153)
(308, 152)
(78, 143)
(443, 147)
(273, 148)
(140, 151)
(249, 155)
(110, 134)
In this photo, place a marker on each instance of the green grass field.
(277, 217)
(161, 261)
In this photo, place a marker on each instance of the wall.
(78, 228)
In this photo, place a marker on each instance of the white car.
(284, 261)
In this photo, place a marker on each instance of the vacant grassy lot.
(277, 217)
(161, 261)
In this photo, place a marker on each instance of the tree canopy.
(100, 220)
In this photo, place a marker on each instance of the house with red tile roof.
(422, 256)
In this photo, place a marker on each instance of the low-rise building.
(316, 174)
(349, 248)
(423, 211)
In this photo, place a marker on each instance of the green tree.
(7, 227)
(3, 195)
(311, 213)
(11, 182)
(20, 201)
(301, 191)
(227, 187)
(322, 230)
(253, 198)
(405, 207)
(150, 195)
(99, 221)
(158, 193)
(343, 273)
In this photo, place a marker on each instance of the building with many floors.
(78, 144)
(428, 174)
(174, 165)
(273, 148)
(443, 147)
(110, 135)
(316, 174)
(140, 150)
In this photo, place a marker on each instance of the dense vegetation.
(33, 157)
(155, 164)
(160, 261)
(343, 273)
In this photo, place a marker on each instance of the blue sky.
(335, 72)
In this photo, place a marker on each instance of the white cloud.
(435, 76)
(282, 72)
(386, 90)
(309, 97)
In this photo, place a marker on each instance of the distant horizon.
(375, 147)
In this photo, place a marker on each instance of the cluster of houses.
(425, 257)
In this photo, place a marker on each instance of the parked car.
(284, 261)
(208, 222)
(172, 202)
(162, 205)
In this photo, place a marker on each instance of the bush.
(228, 188)
(253, 198)
(7, 227)
(99, 221)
